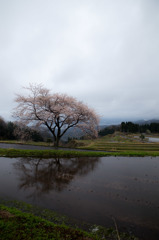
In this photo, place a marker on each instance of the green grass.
(16, 224)
(68, 154)
(47, 153)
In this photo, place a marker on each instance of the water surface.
(153, 139)
(95, 190)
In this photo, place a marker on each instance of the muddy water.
(96, 190)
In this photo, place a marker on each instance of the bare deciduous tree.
(58, 112)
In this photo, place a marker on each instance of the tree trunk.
(56, 143)
(58, 136)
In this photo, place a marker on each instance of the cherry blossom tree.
(58, 112)
(22, 132)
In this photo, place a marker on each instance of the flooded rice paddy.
(95, 190)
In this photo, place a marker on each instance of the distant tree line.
(135, 128)
(15, 131)
(130, 127)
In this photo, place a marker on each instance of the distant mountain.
(117, 121)
(71, 133)
(110, 121)
(103, 126)
(142, 122)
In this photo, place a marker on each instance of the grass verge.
(70, 153)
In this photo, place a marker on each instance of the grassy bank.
(69, 153)
(24, 224)
(15, 224)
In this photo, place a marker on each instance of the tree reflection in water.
(43, 175)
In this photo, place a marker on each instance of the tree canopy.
(58, 112)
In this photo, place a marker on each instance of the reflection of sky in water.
(153, 139)
(93, 189)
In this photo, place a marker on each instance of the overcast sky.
(103, 52)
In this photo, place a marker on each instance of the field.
(120, 143)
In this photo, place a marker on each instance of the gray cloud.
(105, 53)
